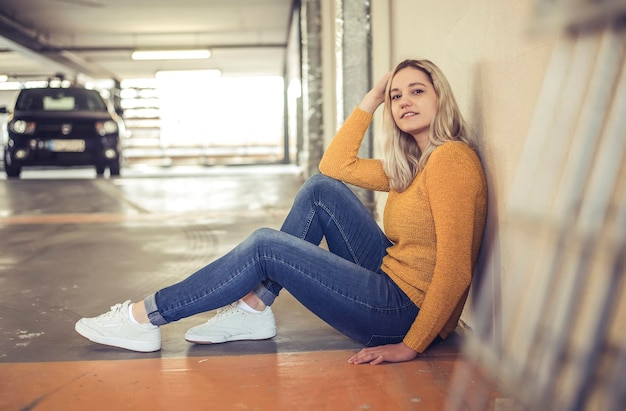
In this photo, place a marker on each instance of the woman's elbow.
(326, 168)
(322, 167)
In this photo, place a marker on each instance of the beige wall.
(495, 66)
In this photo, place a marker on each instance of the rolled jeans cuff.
(264, 295)
(154, 315)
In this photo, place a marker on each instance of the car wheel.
(100, 170)
(114, 169)
(11, 170)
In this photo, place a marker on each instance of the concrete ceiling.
(96, 37)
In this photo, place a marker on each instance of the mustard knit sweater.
(435, 225)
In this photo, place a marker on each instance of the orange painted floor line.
(292, 381)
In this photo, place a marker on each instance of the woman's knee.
(265, 242)
(263, 239)
(317, 179)
(262, 235)
(321, 183)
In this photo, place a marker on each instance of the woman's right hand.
(376, 96)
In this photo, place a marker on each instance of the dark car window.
(60, 99)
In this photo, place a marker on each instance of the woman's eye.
(418, 91)
(395, 97)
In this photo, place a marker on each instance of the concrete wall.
(495, 66)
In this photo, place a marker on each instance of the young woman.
(394, 291)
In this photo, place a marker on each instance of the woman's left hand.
(376, 96)
(390, 353)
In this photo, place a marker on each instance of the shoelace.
(222, 312)
(115, 309)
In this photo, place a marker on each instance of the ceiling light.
(10, 85)
(171, 54)
(3, 78)
(189, 74)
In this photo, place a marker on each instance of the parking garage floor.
(73, 245)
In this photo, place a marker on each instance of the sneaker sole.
(241, 337)
(116, 342)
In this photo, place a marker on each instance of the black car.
(62, 127)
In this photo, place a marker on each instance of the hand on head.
(376, 96)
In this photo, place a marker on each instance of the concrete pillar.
(312, 147)
(352, 43)
(353, 68)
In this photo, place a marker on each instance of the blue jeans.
(344, 287)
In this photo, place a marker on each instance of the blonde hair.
(403, 158)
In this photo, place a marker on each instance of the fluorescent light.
(36, 84)
(188, 74)
(171, 54)
(10, 85)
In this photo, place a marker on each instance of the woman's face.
(413, 103)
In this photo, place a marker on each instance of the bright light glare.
(139, 83)
(295, 89)
(221, 111)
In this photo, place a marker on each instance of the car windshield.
(60, 99)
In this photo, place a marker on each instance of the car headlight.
(106, 127)
(22, 127)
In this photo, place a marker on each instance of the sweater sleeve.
(454, 182)
(341, 161)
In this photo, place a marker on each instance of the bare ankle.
(254, 301)
(139, 313)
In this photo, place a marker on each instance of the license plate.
(75, 146)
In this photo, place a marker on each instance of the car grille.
(46, 158)
(56, 128)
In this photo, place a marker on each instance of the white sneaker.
(117, 329)
(233, 324)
